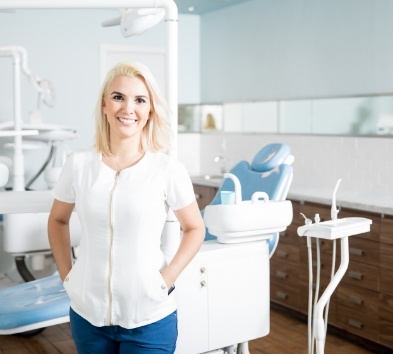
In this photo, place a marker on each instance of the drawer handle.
(356, 251)
(197, 196)
(356, 300)
(281, 275)
(281, 295)
(355, 324)
(315, 264)
(356, 275)
(282, 254)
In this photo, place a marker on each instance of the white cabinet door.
(223, 297)
(239, 295)
(191, 298)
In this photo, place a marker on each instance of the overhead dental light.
(136, 21)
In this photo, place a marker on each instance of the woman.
(122, 190)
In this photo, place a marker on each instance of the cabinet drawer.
(303, 299)
(287, 252)
(386, 307)
(326, 264)
(204, 195)
(386, 255)
(290, 235)
(363, 250)
(362, 275)
(325, 246)
(386, 332)
(284, 295)
(284, 273)
(386, 281)
(359, 299)
(387, 230)
(356, 322)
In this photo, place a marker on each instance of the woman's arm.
(59, 235)
(191, 222)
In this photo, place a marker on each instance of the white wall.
(64, 47)
(267, 50)
(363, 163)
(292, 49)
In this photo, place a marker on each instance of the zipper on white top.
(111, 248)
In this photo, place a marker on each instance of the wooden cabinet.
(386, 282)
(204, 195)
(363, 301)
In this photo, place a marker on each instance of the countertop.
(365, 202)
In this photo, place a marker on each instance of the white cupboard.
(223, 297)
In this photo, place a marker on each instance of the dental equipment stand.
(329, 230)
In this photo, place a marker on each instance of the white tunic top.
(116, 279)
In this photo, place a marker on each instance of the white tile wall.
(364, 163)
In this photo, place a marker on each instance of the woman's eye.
(140, 100)
(117, 97)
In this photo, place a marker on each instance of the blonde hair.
(156, 133)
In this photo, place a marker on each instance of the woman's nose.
(129, 107)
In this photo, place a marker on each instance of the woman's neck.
(124, 156)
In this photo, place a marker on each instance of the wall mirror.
(355, 116)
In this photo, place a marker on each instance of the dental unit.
(208, 291)
(334, 229)
(233, 263)
(30, 227)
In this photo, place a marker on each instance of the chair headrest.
(270, 156)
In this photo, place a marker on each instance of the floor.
(288, 335)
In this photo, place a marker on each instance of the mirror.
(355, 116)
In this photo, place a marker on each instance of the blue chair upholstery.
(268, 172)
(33, 303)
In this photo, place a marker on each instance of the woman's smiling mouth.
(127, 120)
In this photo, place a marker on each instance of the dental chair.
(270, 171)
(44, 302)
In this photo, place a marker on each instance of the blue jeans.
(156, 338)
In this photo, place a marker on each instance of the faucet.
(222, 161)
(238, 187)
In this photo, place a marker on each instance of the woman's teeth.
(126, 121)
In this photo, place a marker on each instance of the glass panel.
(260, 117)
(366, 115)
(211, 116)
(189, 118)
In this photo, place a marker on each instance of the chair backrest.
(270, 171)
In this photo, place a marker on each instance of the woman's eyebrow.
(116, 93)
(142, 96)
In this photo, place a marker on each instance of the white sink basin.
(247, 221)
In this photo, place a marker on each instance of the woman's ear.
(103, 106)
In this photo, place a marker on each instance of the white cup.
(227, 197)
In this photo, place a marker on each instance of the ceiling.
(200, 7)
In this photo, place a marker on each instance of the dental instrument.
(333, 230)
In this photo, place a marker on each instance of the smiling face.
(126, 105)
